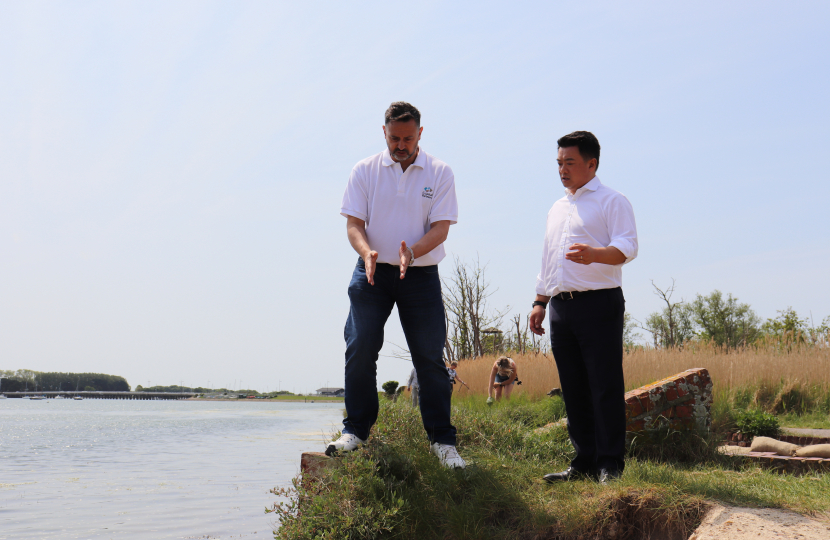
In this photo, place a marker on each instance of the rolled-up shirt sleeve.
(444, 202)
(540, 284)
(622, 228)
(355, 199)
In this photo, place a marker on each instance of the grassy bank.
(393, 488)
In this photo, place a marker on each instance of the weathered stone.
(681, 402)
(312, 464)
(782, 464)
(560, 424)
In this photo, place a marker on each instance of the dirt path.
(732, 523)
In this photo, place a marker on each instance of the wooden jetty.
(105, 395)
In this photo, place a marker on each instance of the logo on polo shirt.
(427, 193)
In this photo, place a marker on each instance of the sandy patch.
(759, 524)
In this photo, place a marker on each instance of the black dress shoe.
(606, 476)
(569, 476)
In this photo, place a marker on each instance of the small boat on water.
(76, 397)
(3, 396)
(37, 397)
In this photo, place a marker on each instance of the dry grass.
(762, 367)
(536, 371)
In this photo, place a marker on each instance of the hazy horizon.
(171, 174)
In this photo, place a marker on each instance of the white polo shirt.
(398, 205)
(595, 215)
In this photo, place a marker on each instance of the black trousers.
(586, 336)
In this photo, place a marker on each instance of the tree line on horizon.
(475, 329)
(728, 323)
(203, 390)
(25, 379)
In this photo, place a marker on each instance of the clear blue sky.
(171, 172)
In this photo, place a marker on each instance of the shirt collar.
(592, 185)
(420, 161)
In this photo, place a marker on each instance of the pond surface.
(150, 469)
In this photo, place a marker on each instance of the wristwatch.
(540, 303)
(411, 255)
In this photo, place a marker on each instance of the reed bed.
(753, 375)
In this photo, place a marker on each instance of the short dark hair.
(401, 111)
(585, 141)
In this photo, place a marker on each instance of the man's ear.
(593, 164)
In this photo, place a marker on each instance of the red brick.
(653, 399)
(682, 411)
(633, 408)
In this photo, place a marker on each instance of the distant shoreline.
(272, 400)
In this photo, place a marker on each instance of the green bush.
(755, 423)
(390, 386)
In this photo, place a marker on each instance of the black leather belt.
(569, 295)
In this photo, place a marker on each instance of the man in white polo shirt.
(399, 205)
(590, 235)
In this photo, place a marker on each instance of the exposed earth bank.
(759, 524)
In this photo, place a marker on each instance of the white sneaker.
(448, 456)
(346, 443)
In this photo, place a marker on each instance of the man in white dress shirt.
(399, 205)
(590, 235)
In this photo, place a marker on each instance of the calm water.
(150, 469)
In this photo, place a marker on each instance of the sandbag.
(766, 444)
(814, 450)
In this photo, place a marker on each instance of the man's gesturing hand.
(406, 258)
(537, 317)
(370, 260)
(584, 254)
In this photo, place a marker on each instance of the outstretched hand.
(371, 261)
(406, 258)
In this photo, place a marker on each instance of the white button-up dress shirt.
(595, 215)
(401, 205)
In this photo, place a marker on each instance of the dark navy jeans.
(421, 310)
(586, 336)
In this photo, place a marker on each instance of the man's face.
(402, 139)
(574, 171)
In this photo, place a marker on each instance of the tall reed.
(769, 372)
